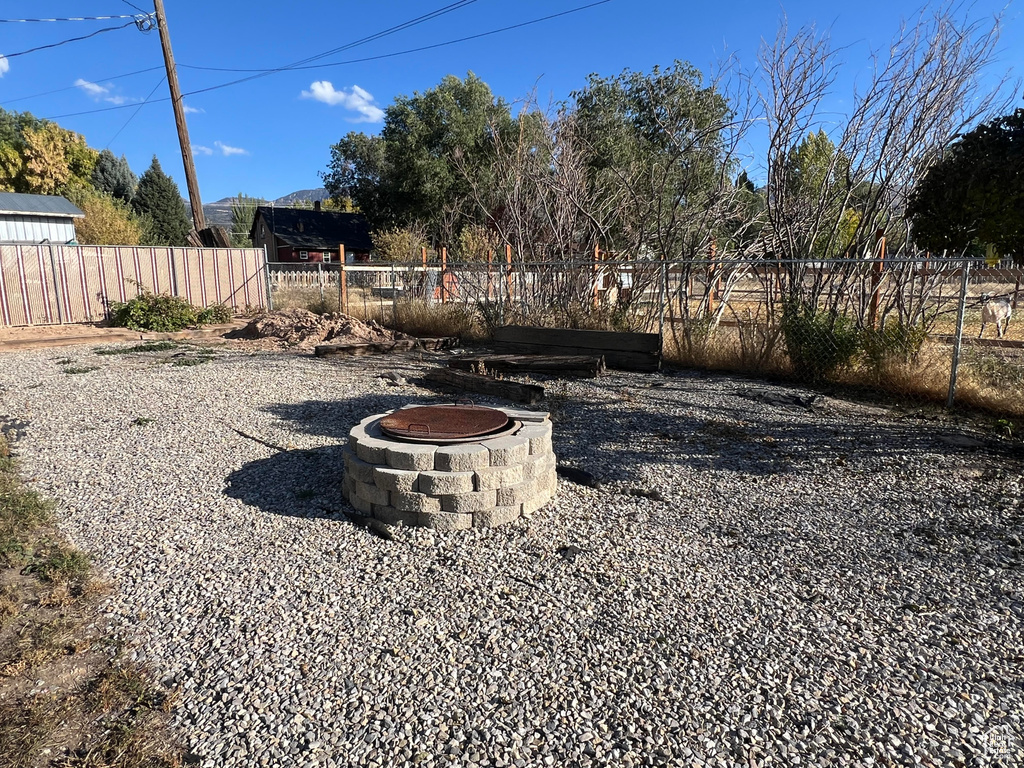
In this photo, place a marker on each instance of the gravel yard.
(824, 587)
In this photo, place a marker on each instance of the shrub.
(818, 343)
(153, 312)
(162, 312)
(895, 342)
(214, 314)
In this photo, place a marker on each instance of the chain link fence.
(924, 329)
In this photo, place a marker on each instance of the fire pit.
(450, 467)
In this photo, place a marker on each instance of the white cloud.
(358, 100)
(199, 149)
(192, 110)
(100, 92)
(228, 151)
(5, 65)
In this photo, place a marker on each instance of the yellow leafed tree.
(108, 221)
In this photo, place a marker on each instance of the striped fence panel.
(51, 284)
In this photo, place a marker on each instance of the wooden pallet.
(625, 351)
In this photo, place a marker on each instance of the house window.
(327, 257)
(263, 230)
(304, 255)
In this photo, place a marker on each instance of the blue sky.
(271, 135)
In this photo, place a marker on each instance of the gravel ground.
(824, 587)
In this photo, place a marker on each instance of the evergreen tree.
(158, 198)
(113, 176)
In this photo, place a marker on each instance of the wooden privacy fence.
(50, 284)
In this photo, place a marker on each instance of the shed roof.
(316, 230)
(37, 205)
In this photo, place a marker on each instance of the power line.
(132, 5)
(402, 53)
(70, 40)
(70, 18)
(376, 36)
(73, 87)
(137, 109)
(354, 61)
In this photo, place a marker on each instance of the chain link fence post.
(958, 339)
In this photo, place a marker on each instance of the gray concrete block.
(534, 503)
(361, 504)
(358, 469)
(414, 502)
(506, 451)
(489, 518)
(389, 479)
(535, 466)
(371, 493)
(372, 450)
(461, 458)
(492, 478)
(392, 516)
(539, 436)
(411, 456)
(446, 483)
(467, 503)
(527, 417)
(446, 521)
(516, 494)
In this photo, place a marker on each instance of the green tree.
(113, 175)
(158, 198)
(420, 169)
(658, 144)
(975, 193)
(818, 198)
(243, 212)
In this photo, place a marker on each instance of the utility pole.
(198, 220)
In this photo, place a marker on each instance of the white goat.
(995, 310)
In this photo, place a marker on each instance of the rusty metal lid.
(443, 422)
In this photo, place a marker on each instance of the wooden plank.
(365, 348)
(586, 366)
(627, 361)
(474, 382)
(587, 340)
(358, 348)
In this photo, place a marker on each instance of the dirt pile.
(300, 327)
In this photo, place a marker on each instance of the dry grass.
(65, 700)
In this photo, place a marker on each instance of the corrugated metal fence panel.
(74, 284)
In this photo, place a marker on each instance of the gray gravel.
(825, 587)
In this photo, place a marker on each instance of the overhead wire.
(73, 87)
(70, 18)
(70, 40)
(352, 61)
(136, 112)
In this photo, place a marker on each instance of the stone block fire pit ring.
(454, 482)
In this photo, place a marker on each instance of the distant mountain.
(218, 214)
(311, 195)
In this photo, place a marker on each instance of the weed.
(142, 421)
(74, 370)
(59, 564)
(149, 346)
(64, 361)
(189, 361)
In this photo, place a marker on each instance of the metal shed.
(37, 219)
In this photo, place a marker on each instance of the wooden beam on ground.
(359, 348)
(474, 382)
(626, 351)
(584, 366)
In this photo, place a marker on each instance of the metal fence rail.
(49, 284)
